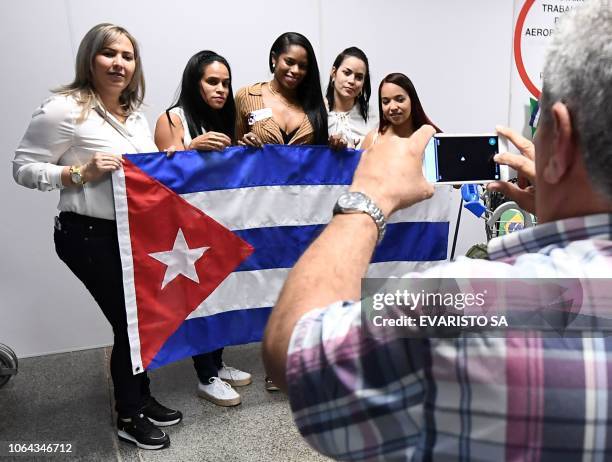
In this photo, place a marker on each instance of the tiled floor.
(67, 397)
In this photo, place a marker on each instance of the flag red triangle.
(155, 214)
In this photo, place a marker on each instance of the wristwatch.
(357, 202)
(75, 175)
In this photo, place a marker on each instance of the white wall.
(457, 54)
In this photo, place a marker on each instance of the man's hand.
(523, 193)
(391, 173)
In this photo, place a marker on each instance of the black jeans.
(207, 365)
(89, 247)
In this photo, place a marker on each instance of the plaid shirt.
(518, 398)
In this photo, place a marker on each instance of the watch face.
(350, 201)
(75, 177)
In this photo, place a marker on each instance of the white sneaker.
(218, 392)
(233, 376)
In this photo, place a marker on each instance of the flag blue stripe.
(209, 333)
(242, 167)
(280, 247)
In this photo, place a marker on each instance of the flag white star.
(180, 260)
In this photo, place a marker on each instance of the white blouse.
(350, 125)
(56, 138)
(186, 135)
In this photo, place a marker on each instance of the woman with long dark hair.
(203, 115)
(202, 118)
(348, 98)
(400, 110)
(72, 145)
(288, 109)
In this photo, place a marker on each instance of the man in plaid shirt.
(524, 397)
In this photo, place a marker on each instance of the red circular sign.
(518, 54)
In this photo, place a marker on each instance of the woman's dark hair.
(419, 118)
(309, 93)
(197, 111)
(364, 97)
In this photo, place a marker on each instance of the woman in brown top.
(288, 109)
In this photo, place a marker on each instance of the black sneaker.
(270, 386)
(140, 431)
(160, 415)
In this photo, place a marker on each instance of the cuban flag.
(207, 240)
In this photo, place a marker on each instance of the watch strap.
(367, 206)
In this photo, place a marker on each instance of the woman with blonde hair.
(72, 144)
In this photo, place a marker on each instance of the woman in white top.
(203, 118)
(71, 144)
(348, 99)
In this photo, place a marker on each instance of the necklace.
(121, 116)
(281, 98)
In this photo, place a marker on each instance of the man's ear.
(564, 150)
